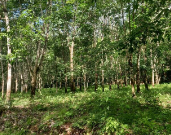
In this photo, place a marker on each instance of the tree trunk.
(26, 87)
(77, 82)
(85, 79)
(39, 82)
(9, 73)
(56, 85)
(125, 79)
(117, 81)
(3, 91)
(145, 71)
(103, 80)
(33, 84)
(22, 83)
(65, 81)
(72, 85)
(156, 71)
(131, 75)
(152, 68)
(110, 83)
(34, 81)
(138, 70)
(16, 84)
(80, 84)
(96, 81)
(2, 70)
(60, 83)
(87, 82)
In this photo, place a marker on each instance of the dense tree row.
(82, 43)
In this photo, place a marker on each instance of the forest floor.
(109, 112)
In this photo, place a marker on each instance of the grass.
(109, 112)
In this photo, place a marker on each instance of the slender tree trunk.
(77, 82)
(103, 80)
(56, 85)
(16, 83)
(110, 83)
(88, 80)
(157, 80)
(2, 70)
(3, 91)
(131, 75)
(60, 83)
(85, 79)
(26, 87)
(22, 83)
(85, 88)
(125, 79)
(66, 82)
(96, 81)
(145, 71)
(9, 73)
(126, 75)
(80, 84)
(117, 81)
(102, 72)
(152, 68)
(72, 85)
(138, 70)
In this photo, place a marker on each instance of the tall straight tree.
(9, 76)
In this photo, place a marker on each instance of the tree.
(9, 77)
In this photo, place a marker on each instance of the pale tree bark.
(39, 82)
(16, 78)
(72, 85)
(22, 83)
(9, 73)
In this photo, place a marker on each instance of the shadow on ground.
(96, 113)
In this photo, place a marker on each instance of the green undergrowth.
(109, 112)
